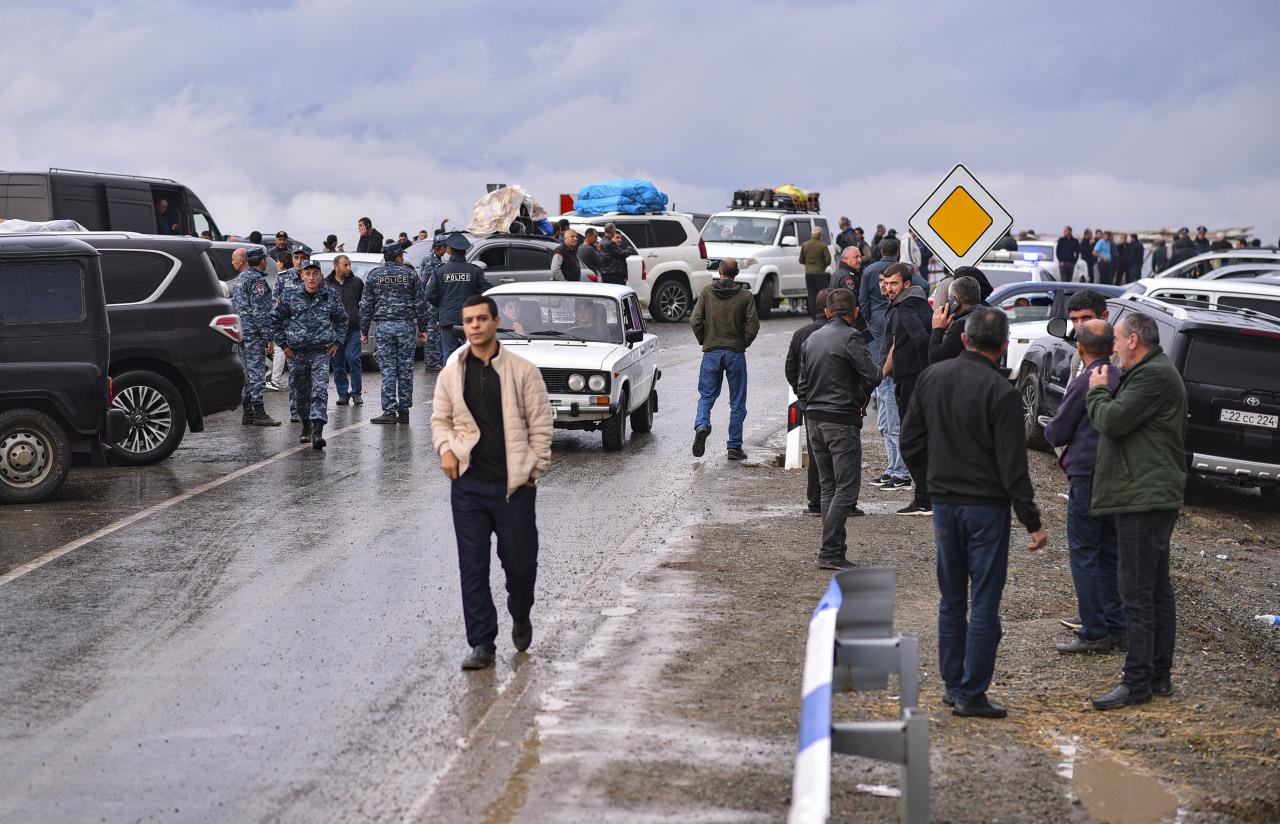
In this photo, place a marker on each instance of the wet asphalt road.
(253, 631)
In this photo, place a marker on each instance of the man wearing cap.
(310, 325)
(251, 297)
(281, 250)
(285, 281)
(453, 283)
(1201, 241)
(433, 355)
(393, 298)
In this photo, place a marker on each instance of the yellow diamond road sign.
(960, 221)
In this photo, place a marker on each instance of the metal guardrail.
(851, 647)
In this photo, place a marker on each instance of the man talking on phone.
(945, 340)
(491, 426)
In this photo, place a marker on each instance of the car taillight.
(1260, 333)
(228, 325)
(593, 277)
(702, 248)
(644, 271)
(111, 390)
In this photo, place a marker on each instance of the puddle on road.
(507, 806)
(1113, 792)
(617, 612)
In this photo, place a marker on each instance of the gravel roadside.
(689, 708)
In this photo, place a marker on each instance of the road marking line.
(55, 554)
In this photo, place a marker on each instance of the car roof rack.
(1168, 308)
(769, 200)
(55, 170)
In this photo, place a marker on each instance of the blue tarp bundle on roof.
(629, 196)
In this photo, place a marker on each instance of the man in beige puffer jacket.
(491, 425)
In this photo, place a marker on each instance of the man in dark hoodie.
(948, 320)
(725, 323)
(904, 351)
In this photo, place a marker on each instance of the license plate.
(1249, 418)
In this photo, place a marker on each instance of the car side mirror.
(481, 264)
(635, 336)
(789, 241)
(1058, 327)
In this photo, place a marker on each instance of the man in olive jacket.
(725, 323)
(816, 257)
(1139, 478)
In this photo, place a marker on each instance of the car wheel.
(1029, 391)
(157, 418)
(764, 300)
(670, 301)
(34, 456)
(615, 428)
(642, 418)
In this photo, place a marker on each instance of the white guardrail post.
(840, 657)
(795, 432)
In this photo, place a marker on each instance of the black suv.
(55, 394)
(174, 353)
(1230, 364)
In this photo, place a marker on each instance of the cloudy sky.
(306, 115)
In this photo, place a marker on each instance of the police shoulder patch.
(260, 287)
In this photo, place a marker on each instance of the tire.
(671, 301)
(1029, 392)
(642, 418)
(157, 418)
(615, 429)
(764, 300)
(35, 456)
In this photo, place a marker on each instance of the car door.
(529, 262)
(640, 363)
(492, 257)
(1028, 313)
(790, 271)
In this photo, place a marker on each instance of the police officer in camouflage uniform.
(251, 297)
(433, 354)
(393, 298)
(285, 281)
(309, 325)
(453, 283)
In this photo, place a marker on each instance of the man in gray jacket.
(837, 375)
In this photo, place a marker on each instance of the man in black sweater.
(949, 318)
(904, 351)
(965, 425)
(792, 371)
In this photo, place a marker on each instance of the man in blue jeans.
(725, 323)
(348, 371)
(1091, 541)
(964, 428)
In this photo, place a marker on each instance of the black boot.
(317, 435)
(260, 416)
(305, 437)
(386, 417)
(247, 417)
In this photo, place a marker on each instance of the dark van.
(55, 350)
(105, 202)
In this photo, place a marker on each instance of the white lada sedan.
(589, 340)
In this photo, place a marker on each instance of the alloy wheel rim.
(150, 418)
(1028, 404)
(25, 458)
(671, 301)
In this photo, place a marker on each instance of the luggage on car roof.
(629, 196)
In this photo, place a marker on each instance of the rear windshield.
(1238, 361)
(41, 292)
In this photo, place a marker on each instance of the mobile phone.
(953, 306)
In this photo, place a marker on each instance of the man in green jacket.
(816, 257)
(1139, 479)
(725, 323)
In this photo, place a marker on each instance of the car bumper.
(581, 408)
(1235, 468)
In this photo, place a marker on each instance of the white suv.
(765, 243)
(675, 262)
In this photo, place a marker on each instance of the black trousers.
(813, 489)
(816, 283)
(480, 511)
(903, 387)
(1149, 611)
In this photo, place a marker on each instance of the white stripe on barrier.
(811, 786)
(795, 442)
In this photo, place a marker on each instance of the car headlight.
(576, 382)
(746, 263)
(596, 383)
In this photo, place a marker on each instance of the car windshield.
(559, 316)
(740, 229)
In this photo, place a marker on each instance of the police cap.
(310, 264)
(440, 239)
(458, 242)
(256, 255)
(392, 249)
